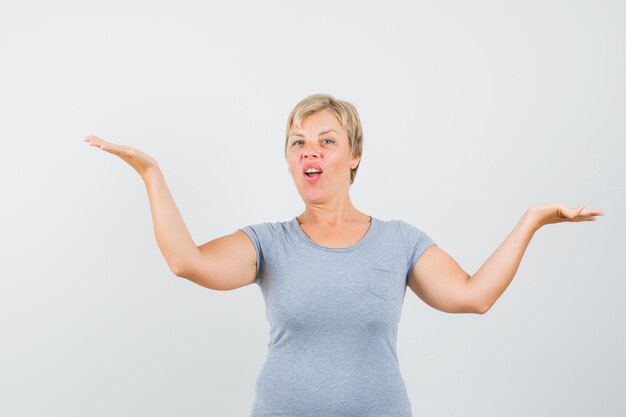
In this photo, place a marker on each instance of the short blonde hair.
(345, 112)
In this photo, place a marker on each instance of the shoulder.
(405, 230)
(265, 233)
(414, 238)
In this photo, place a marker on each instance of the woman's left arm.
(495, 275)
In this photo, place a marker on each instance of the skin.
(439, 280)
(329, 214)
(138, 160)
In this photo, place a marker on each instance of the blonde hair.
(345, 112)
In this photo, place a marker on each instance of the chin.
(309, 195)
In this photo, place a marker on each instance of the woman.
(333, 278)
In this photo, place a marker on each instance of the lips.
(311, 165)
(313, 178)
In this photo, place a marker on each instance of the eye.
(296, 141)
(330, 140)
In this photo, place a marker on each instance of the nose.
(310, 153)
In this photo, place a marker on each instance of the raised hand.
(556, 212)
(140, 161)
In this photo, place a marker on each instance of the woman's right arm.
(225, 263)
(172, 235)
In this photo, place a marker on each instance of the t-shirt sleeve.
(416, 242)
(262, 236)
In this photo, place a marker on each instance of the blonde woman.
(333, 278)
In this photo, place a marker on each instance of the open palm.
(557, 212)
(140, 161)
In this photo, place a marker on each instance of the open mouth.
(312, 176)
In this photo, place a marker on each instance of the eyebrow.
(321, 133)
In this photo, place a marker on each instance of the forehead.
(320, 122)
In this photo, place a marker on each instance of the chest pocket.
(383, 282)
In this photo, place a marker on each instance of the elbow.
(482, 308)
(182, 268)
(477, 303)
(479, 306)
(178, 271)
(185, 266)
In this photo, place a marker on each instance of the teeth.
(312, 170)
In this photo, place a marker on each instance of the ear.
(356, 160)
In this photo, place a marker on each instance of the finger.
(578, 210)
(572, 213)
(93, 140)
(592, 212)
(119, 150)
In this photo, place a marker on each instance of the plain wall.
(472, 113)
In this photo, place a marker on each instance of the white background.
(472, 113)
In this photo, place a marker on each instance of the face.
(320, 141)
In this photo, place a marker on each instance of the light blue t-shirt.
(333, 315)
